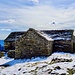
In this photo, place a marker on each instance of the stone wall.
(9, 46)
(74, 44)
(9, 42)
(32, 44)
(11, 53)
(74, 47)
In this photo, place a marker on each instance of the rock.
(24, 72)
(57, 67)
(49, 71)
(54, 74)
(73, 65)
(56, 60)
(19, 69)
(63, 74)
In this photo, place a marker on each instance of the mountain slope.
(57, 64)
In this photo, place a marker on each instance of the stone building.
(43, 43)
(33, 43)
(63, 40)
(9, 42)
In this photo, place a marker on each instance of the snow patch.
(45, 36)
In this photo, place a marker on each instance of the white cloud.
(42, 16)
(7, 21)
(5, 29)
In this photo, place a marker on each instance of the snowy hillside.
(56, 64)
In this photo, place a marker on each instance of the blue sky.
(19, 15)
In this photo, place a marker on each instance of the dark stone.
(49, 71)
(11, 54)
(54, 74)
(57, 67)
(63, 74)
(19, 69)
(24, 72)
(73, 65)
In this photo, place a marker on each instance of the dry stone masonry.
(33, 44)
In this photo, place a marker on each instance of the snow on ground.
(6, 60)
(3, 60)
(57, 63)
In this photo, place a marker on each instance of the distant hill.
(1, 45)
(2, 42)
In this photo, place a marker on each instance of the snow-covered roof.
(57, 34)
(50, 35)
(45, 36)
